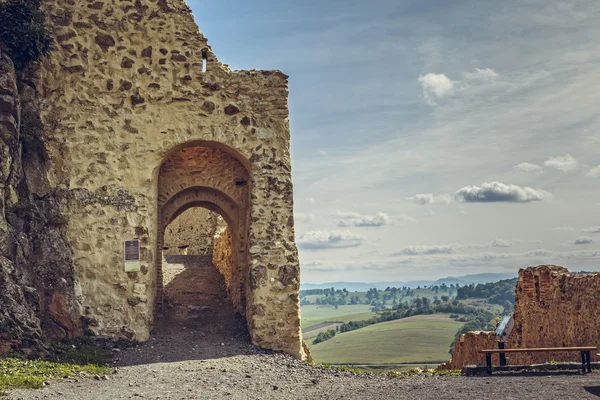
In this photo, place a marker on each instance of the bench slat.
(539, 349)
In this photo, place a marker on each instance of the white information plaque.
(131, 255)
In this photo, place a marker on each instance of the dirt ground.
(200, 350)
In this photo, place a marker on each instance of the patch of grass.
(422, 339)
(80, 351)
(341, 368)
(79, 356)
(315, 314)
(16, 373)
(419, 371)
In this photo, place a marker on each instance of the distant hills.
(364, 286)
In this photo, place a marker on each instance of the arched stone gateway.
(142, 121)
(204, 176)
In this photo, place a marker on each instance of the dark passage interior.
(195, 295)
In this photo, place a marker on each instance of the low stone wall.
(193, 230)
(553, 308)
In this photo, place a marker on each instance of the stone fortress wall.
(554, 308)
(192, 233)
(132, 92)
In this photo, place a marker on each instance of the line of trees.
(501, 292)
(474, 318)
(323, 336)
(376, 298)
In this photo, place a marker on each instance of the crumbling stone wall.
(554, 308)
(194, 229)
(123, 90)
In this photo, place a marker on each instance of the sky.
(431, 138)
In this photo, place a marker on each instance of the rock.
(105, 41)
(127, 62)
(231, 110)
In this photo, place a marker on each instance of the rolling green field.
(314, 314)
(483, 304)
(418, 339)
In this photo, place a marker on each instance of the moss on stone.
(23, 32)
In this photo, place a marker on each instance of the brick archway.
(204, 176)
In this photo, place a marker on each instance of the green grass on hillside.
(419, 339)
(314, 314)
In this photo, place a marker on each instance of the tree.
(23, 32)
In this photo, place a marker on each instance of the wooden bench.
(585, 355)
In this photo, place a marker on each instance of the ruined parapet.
(553, 308)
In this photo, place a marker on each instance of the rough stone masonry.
(553, 308)
(141, 122)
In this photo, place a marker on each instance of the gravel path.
(200, 350)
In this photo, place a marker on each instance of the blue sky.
(432, 138)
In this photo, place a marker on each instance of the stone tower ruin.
(140, 121)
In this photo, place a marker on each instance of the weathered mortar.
(554, 308)
(122, 90)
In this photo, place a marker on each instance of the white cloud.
(435, 86)
(484, 74)
(312, 263)
(594, 172)
(562, 163)
(454, 248)
(304, 217)
(323, 153)
(581, 240)
(315, 240)
(564, 229)
(428, 250)
(500, 192)
(500, 243)
(540, 253)
(592, 229)
(346, 219)
(311, 200)
(528, 167)
(406, 218)
(590, 140)
(428, 198)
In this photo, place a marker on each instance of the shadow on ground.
(595, 390)
(197, 321)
